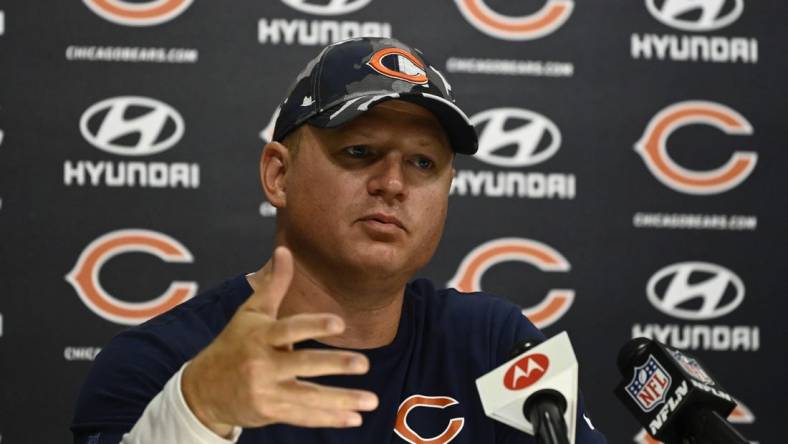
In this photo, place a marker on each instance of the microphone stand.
(708, 427)
(545, 410)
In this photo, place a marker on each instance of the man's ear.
(274, 165)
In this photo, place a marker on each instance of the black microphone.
(673, 396)
(535, 391)
(544, 408)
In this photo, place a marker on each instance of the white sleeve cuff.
(168, 419)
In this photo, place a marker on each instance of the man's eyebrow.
(364, 132)
(429, 138)
(350, 135)
(368, 134)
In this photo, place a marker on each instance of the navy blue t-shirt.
(445, 341)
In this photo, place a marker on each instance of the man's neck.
(371, 312)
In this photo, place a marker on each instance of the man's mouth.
(383, 218)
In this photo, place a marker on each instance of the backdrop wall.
(629, 182)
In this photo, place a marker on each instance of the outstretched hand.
(248, 376)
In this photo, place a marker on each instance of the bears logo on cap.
(402, 65)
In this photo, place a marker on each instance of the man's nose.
(388, 179)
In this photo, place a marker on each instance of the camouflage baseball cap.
(349, 77)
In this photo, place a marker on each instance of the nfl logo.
(650, 384)
(692, 367)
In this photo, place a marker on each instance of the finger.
(274, 283)
(310, 362)
(304, 326)
(323, 397)
(299, 415)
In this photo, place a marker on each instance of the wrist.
(199, 405)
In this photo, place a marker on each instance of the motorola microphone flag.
(549, 367)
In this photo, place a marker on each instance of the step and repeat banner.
(630, 179)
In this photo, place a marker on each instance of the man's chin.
(382, 259)
(381, 232)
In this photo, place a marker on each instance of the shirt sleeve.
(514, 327)
(128, 374)
(167, 418)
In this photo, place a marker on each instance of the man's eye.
(424, 163)
(358, 151)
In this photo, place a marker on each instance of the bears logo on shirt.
(404, 431)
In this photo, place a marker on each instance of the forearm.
(167, 418)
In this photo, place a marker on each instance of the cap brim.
(462, 135)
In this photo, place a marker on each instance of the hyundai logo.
(713, 14)
(535, 140)
(695, 290)
(131, 126)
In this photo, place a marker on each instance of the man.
(328, 342)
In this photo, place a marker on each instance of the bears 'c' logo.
(528, 27)
(545, 258)
(145, 13)
(652, 146)
(404, 431)
(399, 64)
(85, 275)
(332, 7)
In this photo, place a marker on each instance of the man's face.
(369, 198)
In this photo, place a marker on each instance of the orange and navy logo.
(85, 275)
(653, 148)
(404, 431)
(546, 20)
(144, 13)
(399, 64)
(482, 258)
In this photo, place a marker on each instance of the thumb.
(268, 296)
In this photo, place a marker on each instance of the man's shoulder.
(210, 309)
(138, 361)
(452, 302)
(185, 329)
(480, 326)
